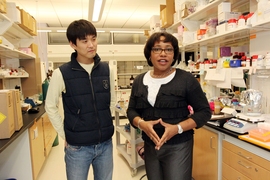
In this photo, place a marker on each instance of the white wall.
(61, 53)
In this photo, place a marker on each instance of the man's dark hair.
(79, 29)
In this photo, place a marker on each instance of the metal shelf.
(133, 159)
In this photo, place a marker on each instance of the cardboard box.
(32, 26)
(18, 120)
(3, 6)
(224, 7)
(34, 49)
(166, 14)
(7, 127)
(25, 20)
(222, 28)
(13, 13)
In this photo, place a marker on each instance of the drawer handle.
(247, 167)
(211, 142)
(246, 157)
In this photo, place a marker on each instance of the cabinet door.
(205, 155)
(236, 158)
(37, 147)
(49, 134)
(230, 173)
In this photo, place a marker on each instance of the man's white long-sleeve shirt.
(56, 87)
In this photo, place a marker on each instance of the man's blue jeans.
(79, 158)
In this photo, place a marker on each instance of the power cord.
(142, 177)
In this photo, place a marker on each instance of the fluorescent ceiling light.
(61, 30)
(44, 30)
(132, 32)
(95, 9)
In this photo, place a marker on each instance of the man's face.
(86, 48)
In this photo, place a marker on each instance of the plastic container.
(254, 61)
(235, 63)
(241, 21)
(248, 62)
(260, 134)
(232, 24)
(267, 61)
(260, 61)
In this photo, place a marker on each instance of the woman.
(159, 107)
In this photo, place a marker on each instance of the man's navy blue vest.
(86, 103)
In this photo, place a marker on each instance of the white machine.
(242, 124)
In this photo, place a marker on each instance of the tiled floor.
(54, 166)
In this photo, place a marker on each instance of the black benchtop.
(28, 121)
(224, 130)
(231, 133)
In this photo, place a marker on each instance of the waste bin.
(56, 141)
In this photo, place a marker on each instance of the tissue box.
(260, 134)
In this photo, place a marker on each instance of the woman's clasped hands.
(170, 131)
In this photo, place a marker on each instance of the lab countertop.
(233, 134)
(28, 121)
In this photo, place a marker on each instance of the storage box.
(154, 22)
(13, 13)
(225, 16)
(32, 26)
(3, 6)
(34, 49)
(25, 20)
(166, 14)
(222, 28)
(7, 127)
(189, 36)
(225, 51)
(18, 120)
(224, 7)
(260, 134)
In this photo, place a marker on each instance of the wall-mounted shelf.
(14, 33)
(13, 76)
(229, 37)
(7, 52)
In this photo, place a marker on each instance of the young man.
(86, 85)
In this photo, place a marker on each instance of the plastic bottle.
(241, 21)
(248, 62)
(260, 61)
(235, 100)
(217, 107)
(131, 80)
(45, 86)
(254, 60)
(267, 60)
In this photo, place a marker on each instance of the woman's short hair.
(79, 29)
(156, 38)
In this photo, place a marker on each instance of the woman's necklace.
(162, 75)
